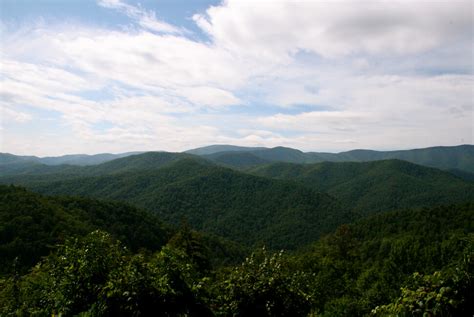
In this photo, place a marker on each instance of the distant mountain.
(443, 157)
(283, 154)
(75, 159)
(462, 174)
(456, 158)
(283, 212)
(244, 208)
(236, 159)
(7, 158)
(148, 160)
(375, 186)
(84, 159)
(211, 149)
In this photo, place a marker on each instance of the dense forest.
(175, 234)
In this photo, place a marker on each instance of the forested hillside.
(375, 186)
(149, 160)
(428, 251)
(381, 238)
(357, 270)
(75, 159)
(443, 157)
(32, 224)
(245, 208)
(302, 202)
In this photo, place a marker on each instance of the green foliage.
(239, 160)
(247, 209)
(191, 243)
(376, 186)
(443, 157)
(447, 293)
(364, 265)
(358, 268)
(263, 285)
(30, 225)
(97, 276)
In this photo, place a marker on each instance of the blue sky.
(116, 75)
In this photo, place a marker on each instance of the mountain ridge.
(456, 158)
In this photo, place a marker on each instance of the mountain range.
(459, 159)
(282, 205)
(143, 228)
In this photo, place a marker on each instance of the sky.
(84, 76)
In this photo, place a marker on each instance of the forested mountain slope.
(376, 186)
(148, 160)
(74, 159)
(283, 213)
(443, 157)
(242, 207)
(217, 148)
(31, 224)
(392, 264)
(364, 265)
(239, 160)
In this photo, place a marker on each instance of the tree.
(264, 285)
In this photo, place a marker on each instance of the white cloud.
(146, 19)
(8, 115)
(331, 29)
(209, 96)
(357, 71)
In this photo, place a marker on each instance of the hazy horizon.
(146, 151)
(114, 76)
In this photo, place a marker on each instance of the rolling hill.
(148, 160)
(376, 186)
(244, 208)
(239, 160)
(74, 159)
(32, 224)
(443, 157)
(282, 204)
(216, 148)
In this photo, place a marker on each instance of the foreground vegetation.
(408, 262)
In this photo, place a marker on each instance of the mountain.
(281, 204)
(443, 157)
(369, 187)
(211, 149)
(7, 158)
(74, 159)
(283, 154)
(148, 160)
(244, 208)
(456, 158)
(239, 160)
(364, 265)
(84, 159)
(31, 224)
(145, 161)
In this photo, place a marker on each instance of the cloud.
(278, 29)
(388, 112)
(315, 75)
(210, 96)
(8, 114)
(146, 19)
